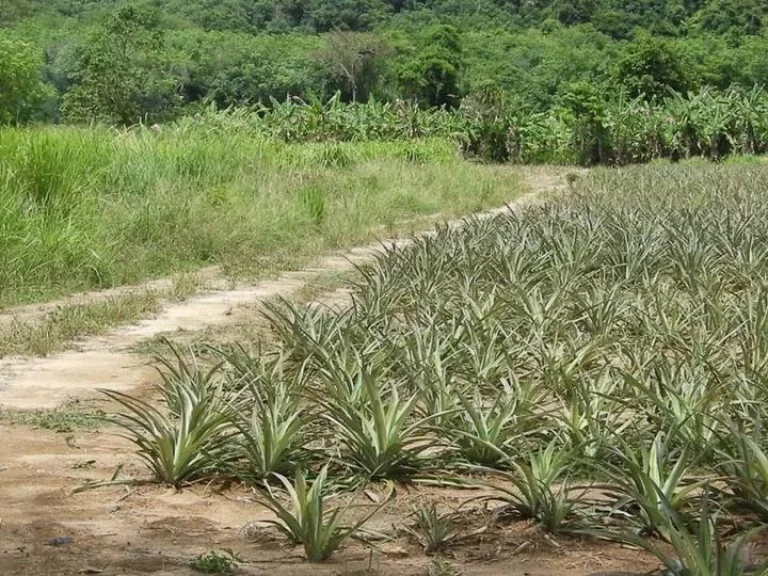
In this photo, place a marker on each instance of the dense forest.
(126, 61)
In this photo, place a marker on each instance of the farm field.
(574, 386)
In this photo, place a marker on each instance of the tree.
(355, 15)
(571, 12)
(121, 78)
(13, 10)
(433, 75)
(649, 67)
(732, 17)
(357, 58)
(585, 104)
(22, 90)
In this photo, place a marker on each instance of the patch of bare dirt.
(106, 361)
(118, 530)
(209, 277)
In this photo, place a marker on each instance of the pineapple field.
(384, 287)
(574, 384)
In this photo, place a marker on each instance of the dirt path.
(106, 361)
(45, 529)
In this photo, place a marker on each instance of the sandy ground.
(45, 528)
(154, 529)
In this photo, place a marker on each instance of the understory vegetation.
(595, 362)
(84, 208)
(585, 129)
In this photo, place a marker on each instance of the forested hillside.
(125, 61)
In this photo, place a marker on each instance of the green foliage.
(539, 489)
(434, 531)
(120, 77)
(307, 521)
(744, 462)
(698, 550)
(313, 201)
(22, 90)
(13, 10)
(181, 55)
(653, 482)
(488, 430)
(586, 109)
(85, 208)
(178, 447)
(61, 420)
(587, 128)
(648, 67)
(216, 562)
(273, 435)
(325, 15)
(373, 426)
(432, 76)
(357, 59)
(624, 320)
(734, 18)
(490, 126)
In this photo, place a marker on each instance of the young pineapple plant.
(697, 549)
(271, 437)
(305, 518)
(193, 435)
(434, 530)
(194, 442)
(538, 489)
(743, 463)
(378, 436)
(489, 432)
(648, 482)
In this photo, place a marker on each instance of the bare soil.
(47, 529)
(158, 530)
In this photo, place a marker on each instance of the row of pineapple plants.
(598, 363)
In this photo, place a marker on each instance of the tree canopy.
(22, 91)
(124, 61)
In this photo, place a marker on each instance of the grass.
(216, 562)
(60, 328)
(90, 208)
(62, 420)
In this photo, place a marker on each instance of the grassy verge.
(89, 208)
(61, 327)
(60, 420)
(57, 329)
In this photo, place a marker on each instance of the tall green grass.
(84, 208)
